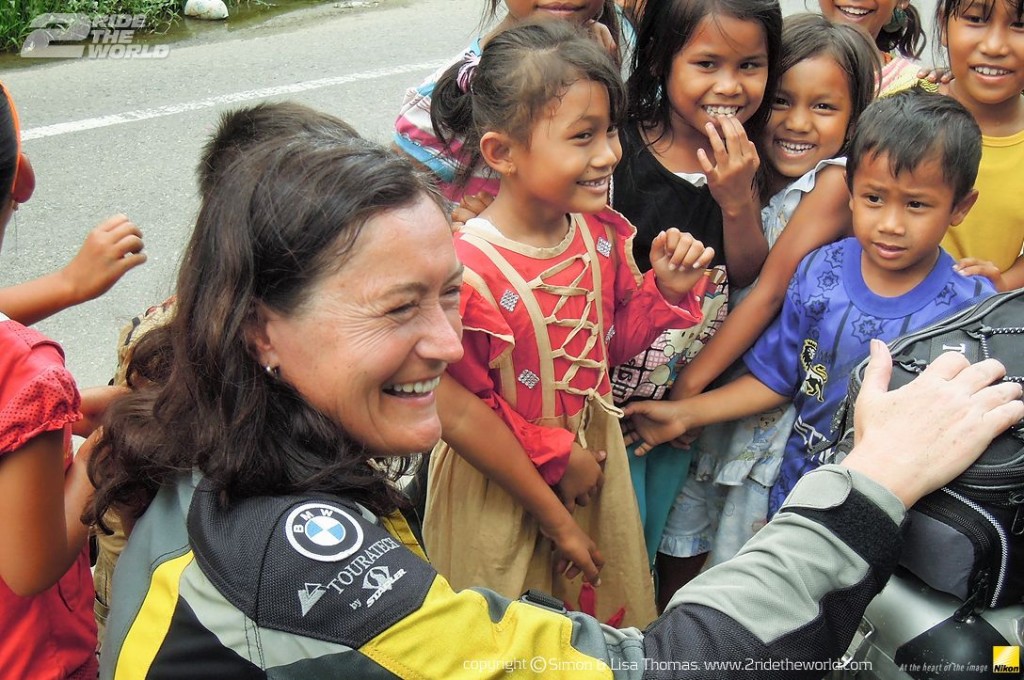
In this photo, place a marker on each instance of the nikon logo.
(1006, 659)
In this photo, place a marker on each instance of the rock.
(206, 9)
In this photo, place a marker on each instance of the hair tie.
(466, 71)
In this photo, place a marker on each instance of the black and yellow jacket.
(317, 587)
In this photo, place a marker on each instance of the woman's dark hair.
(609, 16)
(666, 27)
(521, 71)
(914, 126)
(805, 36)
(907, 39)
(9, 146)
(281, 217)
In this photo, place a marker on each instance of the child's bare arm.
(656, 422)
(486, 442)
(42, 531)
(731, 181)
(110, 250)
(822, 217)
(95, 401)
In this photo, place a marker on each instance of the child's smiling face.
(810, 116)
(867, 15)
(986, 54)
(899, 220)
(721, 71)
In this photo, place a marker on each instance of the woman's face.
(369, 346)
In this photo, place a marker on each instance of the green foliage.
(15, 15)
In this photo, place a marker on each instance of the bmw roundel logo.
(323, 532)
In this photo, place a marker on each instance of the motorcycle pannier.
(967, 538)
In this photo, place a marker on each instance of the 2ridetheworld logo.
(73, 36)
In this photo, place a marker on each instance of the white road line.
(233, 98)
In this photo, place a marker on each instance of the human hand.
(602, 36)
(917, 438)
(575, 552)
(110, 250)
(972, 266)
(95, 401)
(656, 422)
(937, 75)
(583, 478)
(469, 207)
(731, 175)
(678, 261)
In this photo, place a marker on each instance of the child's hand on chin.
(678, 261)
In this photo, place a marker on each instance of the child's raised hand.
(678, 261)
(972, 266)
(602, 36)
(583, 478)
(656, 422)
(575, 552)
(731, 175)
(110, 250)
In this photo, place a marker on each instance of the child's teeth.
(722, 110)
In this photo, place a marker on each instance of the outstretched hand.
(919, 437)
(111, 249)
(656, 422)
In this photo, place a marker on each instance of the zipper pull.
(975, 602)
(1017, 526)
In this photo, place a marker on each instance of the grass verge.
(16, 16)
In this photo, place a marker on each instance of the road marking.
(233, 98)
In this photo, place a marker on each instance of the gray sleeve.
(792, 598)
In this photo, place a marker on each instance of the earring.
(898, 21)
(272, 371)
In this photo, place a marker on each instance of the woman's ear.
(24, 180)
(496, 149)
(259, 338)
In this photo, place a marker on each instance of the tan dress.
(541, 325)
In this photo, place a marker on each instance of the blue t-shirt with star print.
(827, 320)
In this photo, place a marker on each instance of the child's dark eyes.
(705, 64)
(823, 106)
(916, 205)
(780, 103)
(872, 198)
(750, 65)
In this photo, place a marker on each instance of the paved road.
(111, 136)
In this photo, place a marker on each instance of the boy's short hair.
(240, 130)
(914, 126)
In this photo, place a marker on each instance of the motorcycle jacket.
(315, 586)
